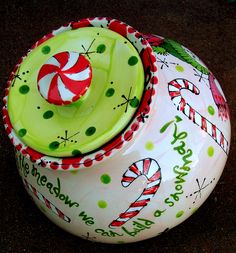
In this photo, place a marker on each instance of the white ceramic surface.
(159, 177)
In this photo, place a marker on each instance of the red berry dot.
(54, 165)
(98, 157)
(75, 165)
(154, 80)
(135, 126)
(128, 135)
(88, 162)
(108, 153)
(65, 166)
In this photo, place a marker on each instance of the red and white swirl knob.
(64, 78)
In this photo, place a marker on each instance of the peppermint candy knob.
(64, 78)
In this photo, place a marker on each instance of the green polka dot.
(110, 92)
(179, 214)
(102, 204)
(134, 102)
(210, 151)
(46, 50)
(76, 152)
(179, 68)
(48, 114)
(211, 110)
(74, 172)
(54, 145)
(149, 145)
(24, 89)
(101, 48)
(194, 210)
(105, 179)
(132, 60)
(90, 131)
(22, 132)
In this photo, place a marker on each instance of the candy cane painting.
(177, 50)
(46, 202)
(149, 168)
(174, 88)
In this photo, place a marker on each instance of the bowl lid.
(78, 87)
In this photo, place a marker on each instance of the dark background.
(208, 28)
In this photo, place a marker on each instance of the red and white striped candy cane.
(45, 201)
(175, 88)
(149, 168)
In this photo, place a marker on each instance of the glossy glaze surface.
(66, 123)
(159, 177)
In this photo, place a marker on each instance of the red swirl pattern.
(64, 78)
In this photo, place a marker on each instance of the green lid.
(76, 91)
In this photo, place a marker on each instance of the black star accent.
(143, 117)
(201, 187)
(86, 51)
(67, 139)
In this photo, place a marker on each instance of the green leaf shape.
(178, 51)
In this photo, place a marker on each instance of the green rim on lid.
(57, 117)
